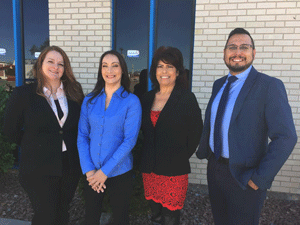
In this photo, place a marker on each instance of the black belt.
(223, 160)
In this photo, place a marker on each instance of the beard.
(238, 68)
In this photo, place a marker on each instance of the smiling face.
(239, 53)
(166, 74)
(53, 66)
(111, 70)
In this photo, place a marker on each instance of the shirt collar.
(47, 92)
(242, 76)
(118, 92)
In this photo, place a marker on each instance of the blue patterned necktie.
(218, 137)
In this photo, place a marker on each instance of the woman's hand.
(90, 173)
(97, 180)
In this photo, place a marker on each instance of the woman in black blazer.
(172, 126)
(42, 118)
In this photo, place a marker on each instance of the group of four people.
(59, 130)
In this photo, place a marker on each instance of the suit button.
(61, 132)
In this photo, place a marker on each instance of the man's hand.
(252, 185)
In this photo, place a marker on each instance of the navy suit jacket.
(261, 112)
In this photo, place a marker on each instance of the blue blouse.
(106, 137)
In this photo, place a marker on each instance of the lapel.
(218, 84)
(169, 106)
(147, 109)
(71, 113)
(243, 94)
(47, 110)
(42, 104)
(167, 110)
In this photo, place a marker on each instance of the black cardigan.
(31, 123)
(168, 147)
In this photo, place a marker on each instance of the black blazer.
(31, 123)
(168, 147)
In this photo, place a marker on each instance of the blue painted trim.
(18, 41)
(152, 32)
(192, 44)
(113, 17)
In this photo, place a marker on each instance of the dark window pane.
(132, 28)
(175, 26)
(7, 55)
(36, 31)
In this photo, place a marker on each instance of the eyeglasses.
(243, 48)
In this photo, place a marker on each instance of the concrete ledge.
(13, 222)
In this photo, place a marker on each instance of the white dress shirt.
(63, 102)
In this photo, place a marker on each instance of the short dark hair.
(169, 55)
(239, 30)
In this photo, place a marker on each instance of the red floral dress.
(170, 191)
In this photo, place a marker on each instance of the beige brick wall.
(83, 29)
(275, 27)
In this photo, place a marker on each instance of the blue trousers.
(231, 205)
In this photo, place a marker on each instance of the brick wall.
(83, 29)
(275, 28)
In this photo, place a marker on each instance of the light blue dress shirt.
(233, 94)
(106, 137)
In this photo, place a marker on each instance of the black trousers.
(51, 196)
(120, 190)
(231, 205)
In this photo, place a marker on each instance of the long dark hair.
(72, 88)
(125, 81)
(171, 56)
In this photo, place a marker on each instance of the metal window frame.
(19, 41)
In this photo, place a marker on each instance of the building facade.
(84, 29)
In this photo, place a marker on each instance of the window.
(131, 35)
(36, 31)
(174, 27)
(36, 36)
(7, 55)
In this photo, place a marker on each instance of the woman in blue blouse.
(109, 124)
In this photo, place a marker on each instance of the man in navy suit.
(239, 120)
